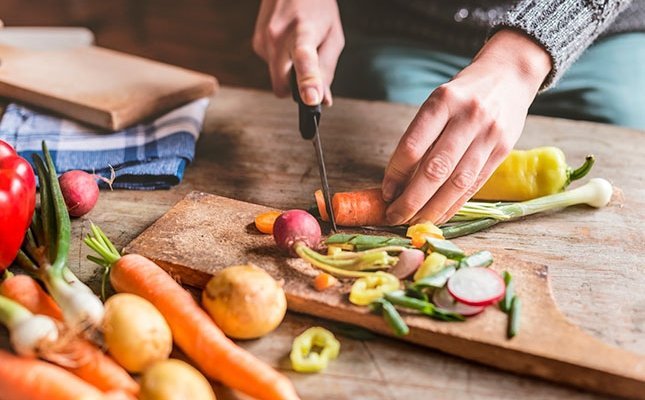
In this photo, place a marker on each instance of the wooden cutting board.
(204, 233)
(98, 86)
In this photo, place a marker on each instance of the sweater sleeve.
(565, 28)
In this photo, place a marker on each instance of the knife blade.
(308, 121)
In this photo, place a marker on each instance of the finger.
(307, 65)
(329, 52)
(489, 168)
(279, 67)
(417, 139)
(261, 31)
(434, 170)
(461, 185)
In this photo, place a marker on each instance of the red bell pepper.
(17, 202)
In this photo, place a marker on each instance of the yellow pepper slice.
(433, 263)
(369, 288)
(420, 232)
(528, 174)
(303, 359)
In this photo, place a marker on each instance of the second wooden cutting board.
(204, 233)
(98, 86)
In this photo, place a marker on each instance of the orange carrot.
(96, 368)
(324, 281)
(196, 333)
(26, 379)
(264, 222)
(360, 208)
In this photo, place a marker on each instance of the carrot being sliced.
(196, 333)
(264, 222)
(96, 367)
(359, 208)
(31, 379)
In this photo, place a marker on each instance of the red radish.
(80, 191)
(296, 227)
(477, 286)
(444, 300)
(409, 262)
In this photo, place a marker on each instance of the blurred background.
(212, 36)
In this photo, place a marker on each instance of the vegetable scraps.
(303, 356)
(46, 249)
(17, 202)
(192, 329)
(245, 301)
(528, 174)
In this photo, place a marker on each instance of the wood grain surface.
(98, 86)
(595, 258)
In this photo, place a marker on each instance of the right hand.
(305, 34)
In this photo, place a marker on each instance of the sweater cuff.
(564, 28)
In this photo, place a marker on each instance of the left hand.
(464, 130)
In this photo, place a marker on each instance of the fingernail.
(311, 96)
(394, 218)
(388, 191)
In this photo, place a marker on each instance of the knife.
(308, 120)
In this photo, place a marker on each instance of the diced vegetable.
(264, 222)
(482, 258)
(432, 264)
(391, 316)
(514, 317)
(366, 242)
(436, 280)
(420, 232)
(192, 329)
(245, 301)
(444, 300)
(324, 281)
(367, 289)
(172, 380)
(409, 262)
(445, 247)
(505, 304)
(135, 333)
(303, 356)
(399, 298)
(476, 286)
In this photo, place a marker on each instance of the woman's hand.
(306, 34)
(464, 131)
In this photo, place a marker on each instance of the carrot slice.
(324, 281)
(264, 222)
(359, 208)
(320, 202)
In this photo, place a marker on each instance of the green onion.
(445, 247)
(398, 297)
(595, 193)
(436, 280)
(30, 335)
(482, 258)
(514, 317)
(505, 304)
(391, 316)
(366, 242)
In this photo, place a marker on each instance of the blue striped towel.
(150, 155)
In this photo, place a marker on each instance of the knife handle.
(306, 114)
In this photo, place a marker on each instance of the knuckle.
(444, 93)
(410, 148)
(463, 180)
(258, 44)
(438, 167)
(273, 33)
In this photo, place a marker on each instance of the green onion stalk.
(476, 216)
(350, 264)
(46, 248)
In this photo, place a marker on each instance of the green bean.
(514, 317)
(391, 316)
(505, 304)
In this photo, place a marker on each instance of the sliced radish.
(444, 300)
(477, 286)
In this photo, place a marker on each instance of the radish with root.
(81, 191)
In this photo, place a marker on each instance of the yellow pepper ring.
(304, 359)
(528, 174)
(367, 289)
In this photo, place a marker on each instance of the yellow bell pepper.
(304, 359)
(370, 288)
(528, 174)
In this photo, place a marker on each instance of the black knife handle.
(306, 114)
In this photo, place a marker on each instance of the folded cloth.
(151, 155)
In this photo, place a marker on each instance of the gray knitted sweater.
(565, 28)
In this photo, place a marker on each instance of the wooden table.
(250, 150)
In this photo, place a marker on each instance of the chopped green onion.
(445, 247)
(399, 298)
(514, 317)
(505, 304)
(391, 316)
(436, 280)
(482, 258)
(366, 242)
